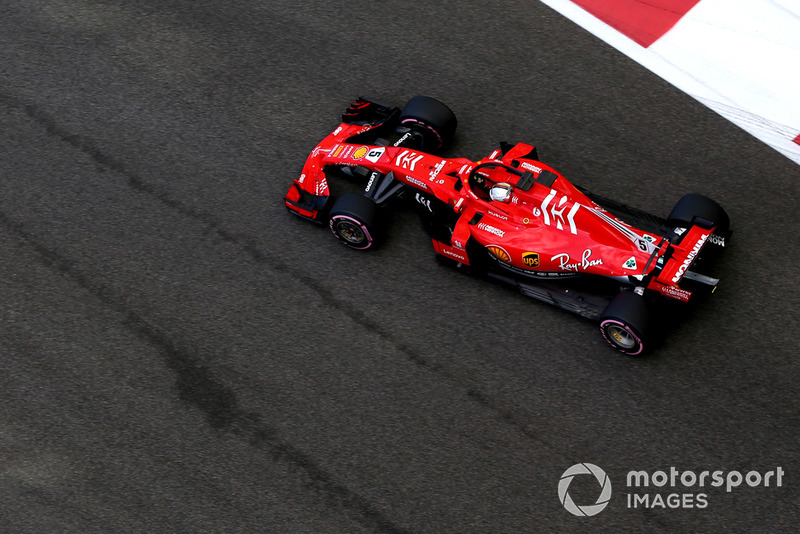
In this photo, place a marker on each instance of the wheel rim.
(436, 134)
(621, 337)
(350, 232)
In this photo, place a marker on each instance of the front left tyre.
(354, 220)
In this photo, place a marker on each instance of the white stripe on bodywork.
(623, 229)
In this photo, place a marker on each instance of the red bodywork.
(548, 228)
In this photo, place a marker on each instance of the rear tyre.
(354, 221)
(433, 119)
(624, 323)
(697, 209)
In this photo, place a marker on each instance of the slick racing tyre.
(624, 323)
(434, 120)
(354, 221)
(699, 209)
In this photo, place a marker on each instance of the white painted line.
(740, 58)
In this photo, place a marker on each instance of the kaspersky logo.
(582, 470)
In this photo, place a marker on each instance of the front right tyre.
(433, 119)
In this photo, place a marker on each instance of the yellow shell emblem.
(499, 253)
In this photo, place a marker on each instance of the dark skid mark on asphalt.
(248, 245)
(197, 386)
(195, 383)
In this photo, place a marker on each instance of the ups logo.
(531, 259)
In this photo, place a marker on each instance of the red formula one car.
(513, 218)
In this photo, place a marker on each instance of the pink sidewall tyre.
(624, 323)
(436, 122)
(354, 221)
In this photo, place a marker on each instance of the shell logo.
(499, 253)
(360, 152)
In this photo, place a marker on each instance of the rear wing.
(684, 255)
(679, 262)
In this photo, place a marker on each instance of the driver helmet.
(500, 192)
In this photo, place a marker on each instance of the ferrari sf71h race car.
(512, 218)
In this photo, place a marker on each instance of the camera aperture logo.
(590, 509)
(668, 488)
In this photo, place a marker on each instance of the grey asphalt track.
(180, 354)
